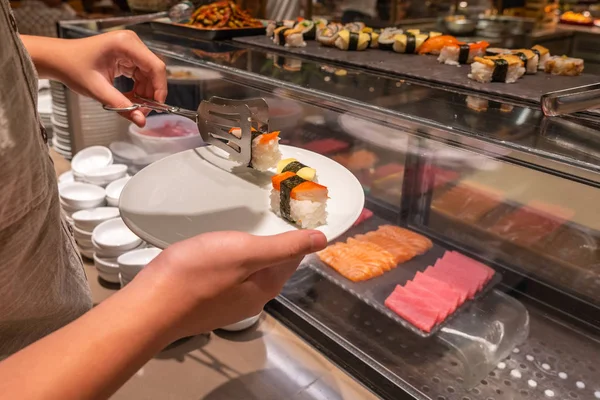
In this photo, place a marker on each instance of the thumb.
(110, 96)
(271, 250)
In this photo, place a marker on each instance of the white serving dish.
(132, 262)
(66, 177)
(87, 253)
(105, 175)
(244, 324)
(127, 151)
(87, 220)
(82, 195)
(114, 189)
(85, 244)
(114, 235)
(81, 234)
(169, 145)
(91, 158)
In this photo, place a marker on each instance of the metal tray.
(186, 31)
(374, 291)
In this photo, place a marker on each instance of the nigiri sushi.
(265, 148)
(460, 53)
(564, 66)
(496, 51)
(326, 36)
(289, 37)
(299, 201)
(295, 166)
(352, 41)
(505, 68)
(435, 44)
(408, 43)
(530, 60)
(543, 55)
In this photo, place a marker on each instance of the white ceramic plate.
(91, 158)
(114, 235)
(198, 191)
(81, 195)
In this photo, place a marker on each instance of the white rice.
(265, 156)
(307, 214)
(543, 59)
(449, 55)
(532, 64)
(483, 73)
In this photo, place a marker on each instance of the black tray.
(374, 291)
(185, 31)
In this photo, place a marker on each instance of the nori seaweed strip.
(463, 53)
(294, 167)
(281, 36)
(370, 39)
(523, 58)
(411, 43)
(285, 192)
(500, 70)
(353, 41)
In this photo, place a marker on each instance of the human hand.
(89, 66)
(220, 278)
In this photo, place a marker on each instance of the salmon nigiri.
(434, 45)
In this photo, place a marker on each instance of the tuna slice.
(440, 287)
(477, 272)
(412, 309)
(473, 282)
(461, 258)
(456, 282)
(442, 306)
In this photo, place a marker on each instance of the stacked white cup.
(132, 262)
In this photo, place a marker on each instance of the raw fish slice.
(457, 283)
(473, 283)
(461, 258)
(356, 260)
(412, 309)
(326, 146)
(418, 242)
(449, 304)
(440, 287)
(435, 44)
(482, 274)
(432, 301)
(372, 253)
(401, 251)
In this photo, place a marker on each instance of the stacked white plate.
(98, 126)
(114, 189)
(110, 240)
(132, 262)
(76, 196)
(45, 106)
(84, 223)
(61, 140)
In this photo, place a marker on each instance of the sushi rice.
(265, 153)
(305, 213)
(451, 54)
(504, 68)
(530, 60)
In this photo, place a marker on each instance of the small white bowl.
(87, 220)
(91, 158)
(132, 262)
(103, 176)
(127, 151)
(108, 264)
(80, 234)
(114, 189)
(153, 144)
(244, 324)
(115, 235)
(82, 195)
(87, 253)
(112, 202)
(112, 253)
(85, 244)
(66, 177)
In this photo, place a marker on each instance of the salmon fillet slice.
(400, 250)
(357, 261)
(419, 243)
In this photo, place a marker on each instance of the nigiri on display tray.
(564, 65)
(289, 37)
(461, 53)
(265, 149)
(299, 201)
(530, 60)
(272, 25)
(543, 55)
(435, 44)
(411, 41)
(352, 41)
(505, 68)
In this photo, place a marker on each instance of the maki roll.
(320, 23)
(387, 38)
(505, 68)
(265, 149)
(293, 165)
(327, 35)
(543, 55)
(308, 29)
(408, 43)
(496, 51)
(461, 53)
(272, 25)
(530, 60)
(355, 26)
(352, 41)
(299, 201)
(289, 37)
(564, 65)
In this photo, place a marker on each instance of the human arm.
(192, 287)
(88, 66)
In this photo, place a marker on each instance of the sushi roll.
(293, 165)
(530, 60)
(543, 55)
(320, 23)
(308, 29)
(564, 65)
(457, 54)
(289, 37)
(355, 26)
(409, 44)
(496, 51)
(387, 37)
(435, 44)
(327, 35)
(265, 149)
(352, 41)
(505, 68)
(299, 201)
(272, 25)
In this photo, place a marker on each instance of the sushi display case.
(478, 175)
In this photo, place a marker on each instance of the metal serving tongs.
(215, 118)
(569, 101)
